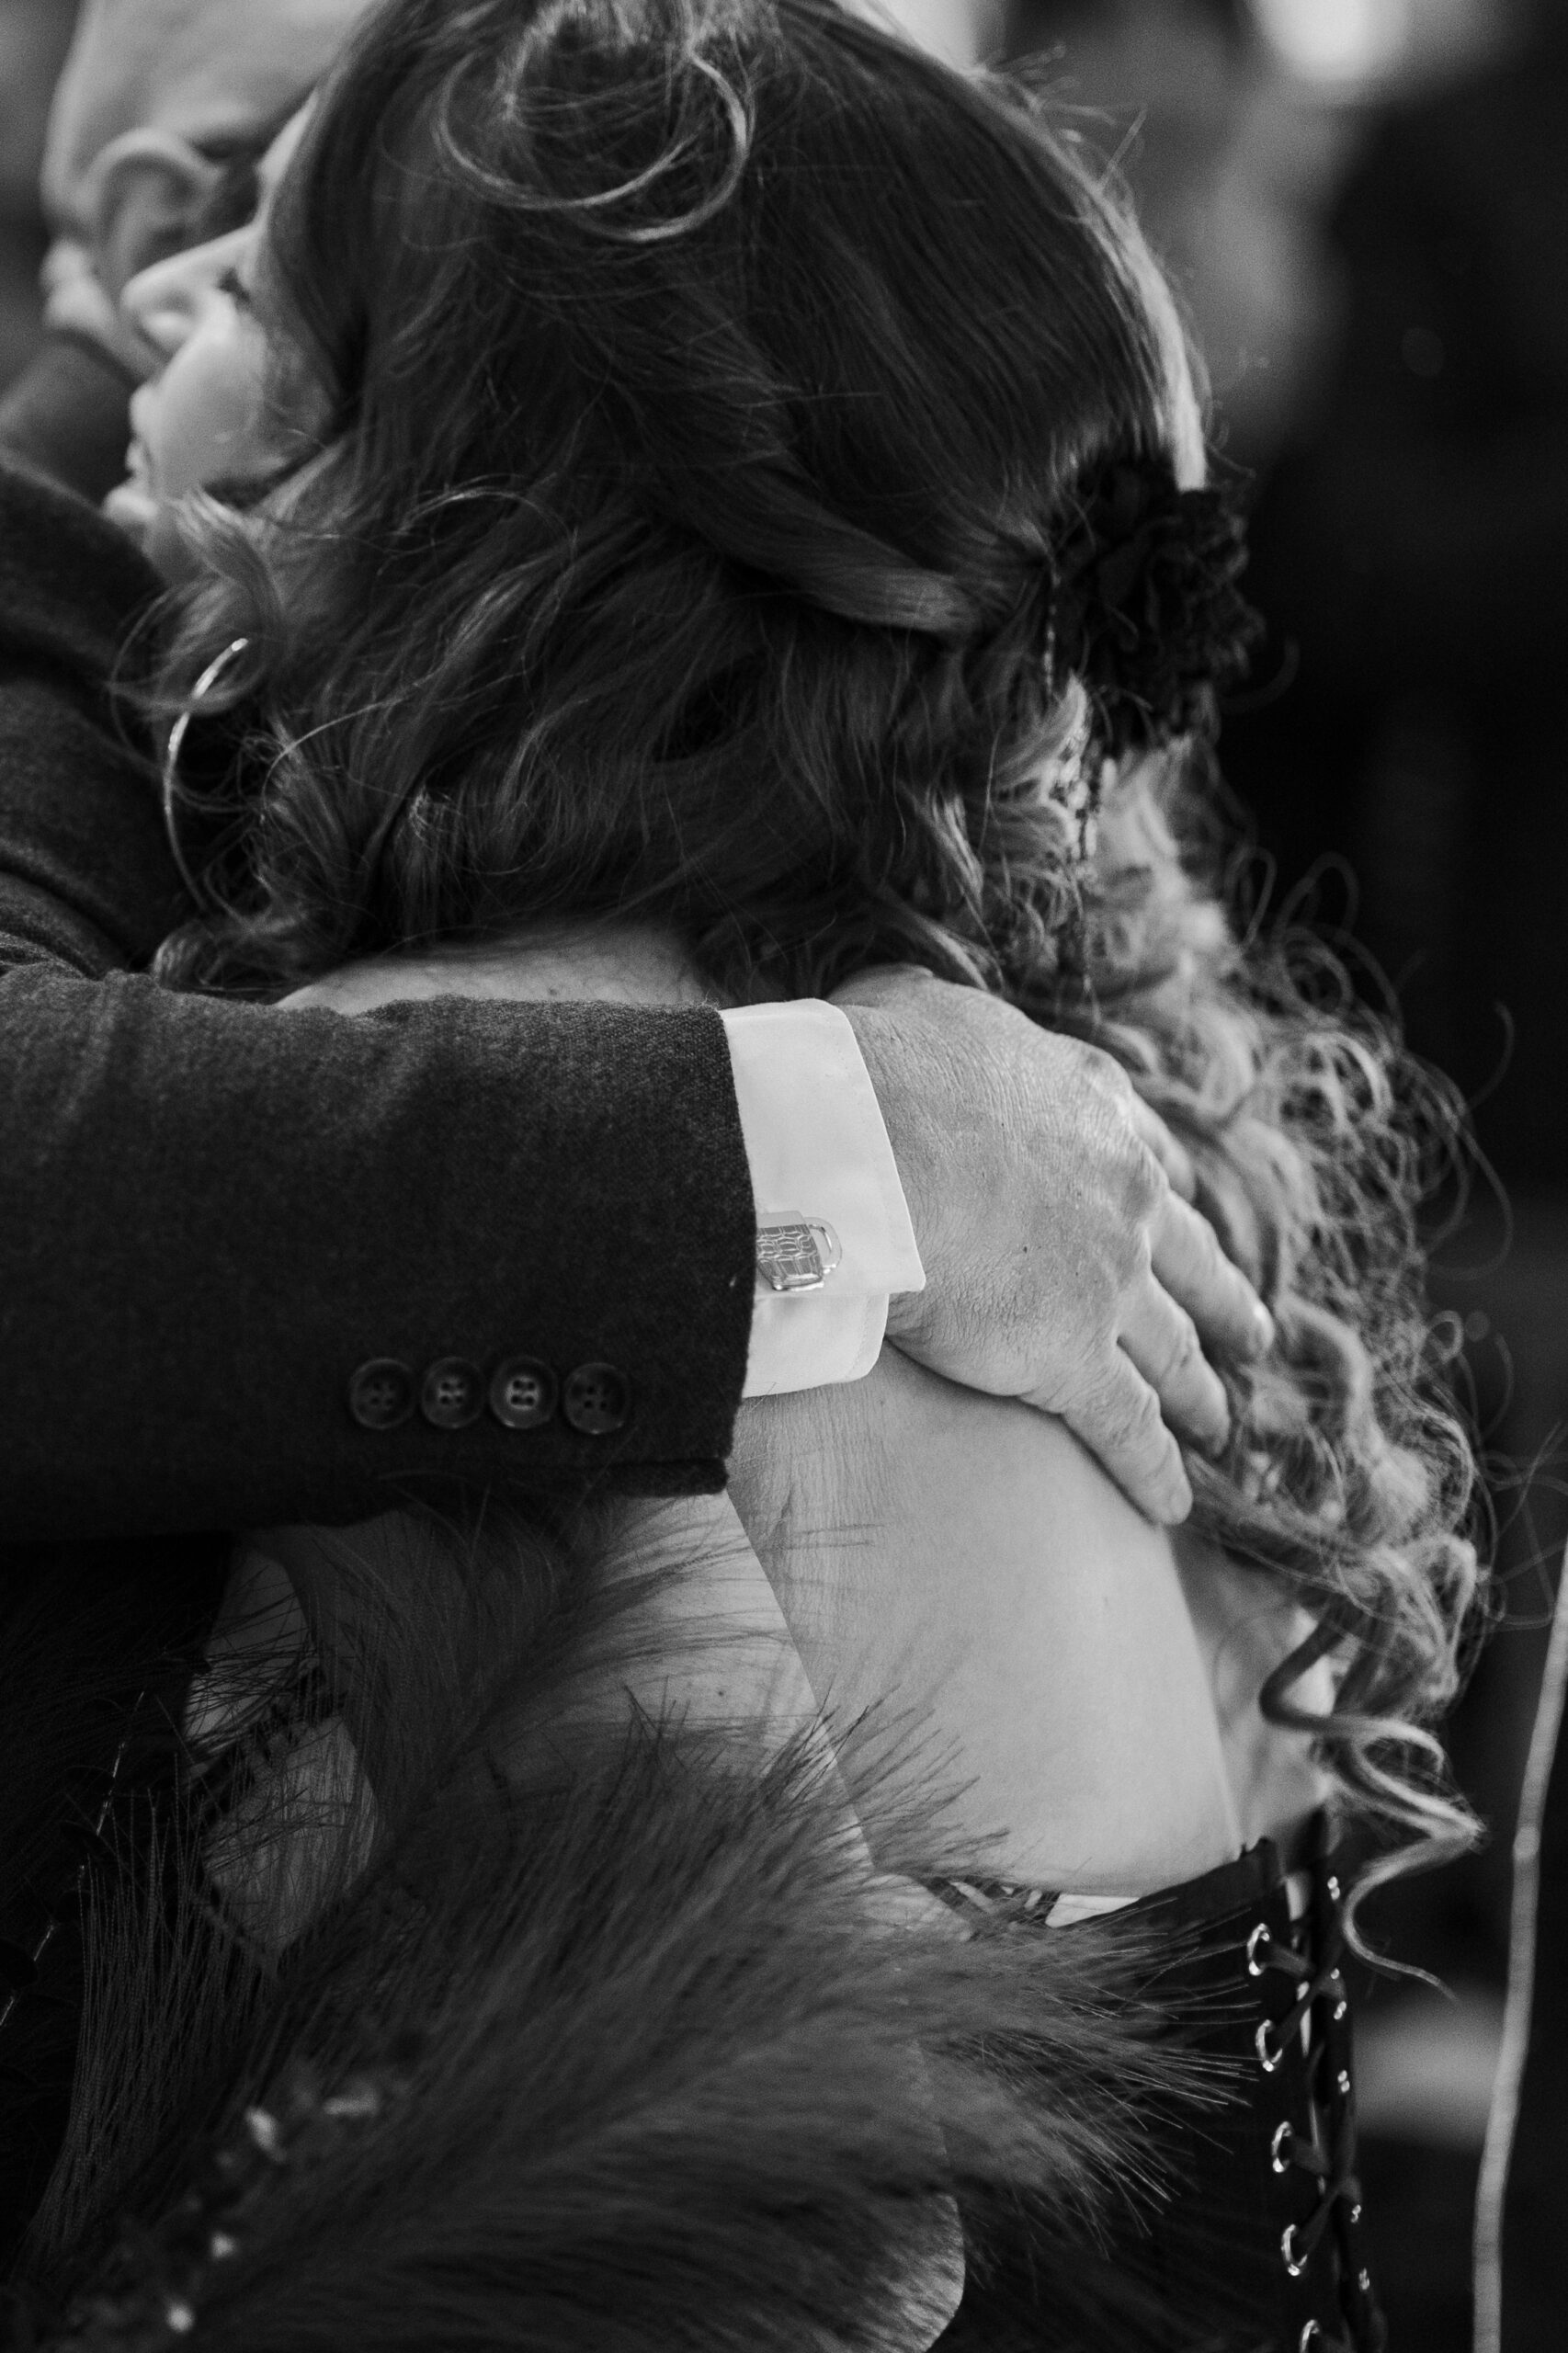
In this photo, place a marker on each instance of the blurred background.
(33, 38)
(1364, 206)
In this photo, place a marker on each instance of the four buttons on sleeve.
(522, 1394)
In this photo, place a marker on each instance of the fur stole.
(630, 2052)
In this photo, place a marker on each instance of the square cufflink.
(795, 1253)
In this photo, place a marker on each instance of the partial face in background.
(213, 409)
(207, 77)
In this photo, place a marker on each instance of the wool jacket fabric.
(65, 415)
(211, 1214)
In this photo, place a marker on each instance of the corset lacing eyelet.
(1315, 2020)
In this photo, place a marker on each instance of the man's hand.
(1062, 1265)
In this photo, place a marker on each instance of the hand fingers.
(1117, 1418)
(1189, 1263)
(1162, 1340)
(1173, 1157)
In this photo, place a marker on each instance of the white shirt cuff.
(816, 1145)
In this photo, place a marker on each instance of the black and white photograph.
(783, 1176)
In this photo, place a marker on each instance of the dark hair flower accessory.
(1146, 610)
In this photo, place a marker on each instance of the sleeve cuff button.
(523, 1394)
(452, 1393)
(597, 1400)
(380, 1394)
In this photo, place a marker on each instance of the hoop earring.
(204, 686)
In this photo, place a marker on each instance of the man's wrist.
(906, 1310)
(884, 1053)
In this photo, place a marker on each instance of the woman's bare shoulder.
(962, 1562)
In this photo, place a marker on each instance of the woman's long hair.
(708, 385)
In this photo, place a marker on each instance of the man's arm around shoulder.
(536, 1221)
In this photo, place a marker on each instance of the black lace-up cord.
(1321, 1998)
(1332, 2175)
(1265, 1951)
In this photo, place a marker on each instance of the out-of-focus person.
(160, 113)
(1409, 551)
(1229, 168)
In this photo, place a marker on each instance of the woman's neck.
(610, 962)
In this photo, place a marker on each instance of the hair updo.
(710, 386)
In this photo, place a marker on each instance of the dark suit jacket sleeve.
(211, 1213)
